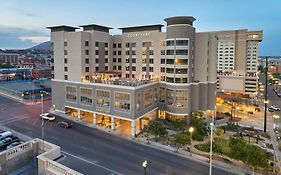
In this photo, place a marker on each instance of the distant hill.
(46, 46)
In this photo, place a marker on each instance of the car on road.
(276, 108)
(48, 116)
(13, 145)
(65, 124)
(5, 134)
(279, 94)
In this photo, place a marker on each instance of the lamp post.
(265, 95)
(191, 129)
(42, 125)
(211, 148)
(144, 165)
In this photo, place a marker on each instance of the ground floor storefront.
(120, 125)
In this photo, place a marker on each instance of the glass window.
(169, 52)
(97, 44)
(114, 45)
(86, 96)
(181, 42)
(170, 43)
(103, 98)
(86, 43)
(181, 52)
(87, 60)
(148, 98)
(70, 93)
(122, 101)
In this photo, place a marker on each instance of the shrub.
(197, 136)
(219, 132)
(203, 147)
(230, 127)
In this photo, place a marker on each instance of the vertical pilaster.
(133, 124)
(112, 123)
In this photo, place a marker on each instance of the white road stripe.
(93, 163)
(13, 120)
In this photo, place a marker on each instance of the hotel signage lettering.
(131, 35)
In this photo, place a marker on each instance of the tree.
(219, 132)
(182, 140)
(157, 129)
(180, 125)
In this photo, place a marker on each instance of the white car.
(48, 116)
(276, 108)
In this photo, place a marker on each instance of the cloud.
(35, 39)
(18, 38)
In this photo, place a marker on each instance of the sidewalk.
(169, 149)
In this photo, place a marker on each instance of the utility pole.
(265, 95)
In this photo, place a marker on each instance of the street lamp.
(191, 129)
(265, 94)
(144, 165)
(42, 125)
(211, 148)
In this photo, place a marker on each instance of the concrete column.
(95, 118)
(78, 114)
(112, 123)
(140, 124)
(133, 124)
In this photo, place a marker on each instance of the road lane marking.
(93, 163)
(11, 120)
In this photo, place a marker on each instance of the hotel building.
(237, 65)
(123, 81)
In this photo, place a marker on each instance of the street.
(91, 151)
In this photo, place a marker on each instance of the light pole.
(265, 95)
(42, 125)
(191, 129)
(144, 165)
(211, 148)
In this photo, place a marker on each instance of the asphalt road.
(91, 151)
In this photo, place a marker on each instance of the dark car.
(65, 124)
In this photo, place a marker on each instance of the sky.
(23, 23)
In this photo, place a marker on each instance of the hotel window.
(114, 52)
(87, 69)
(133, 52)
(103, 98)
(65, 69)
(181, 71)
(133, 68)
(127, 60)
(150, 69)
(143, 69)
(119, 68)
(170, 43)
(97, 44)
(170, 61)
(97, 61)
(133, 60)
(114, 60)
(162, 94)
(114, 45)
(122, 101)
(181, 52)
(162, 52)
(119, 60)
(65, 60)
(86, 52)
(151, 52)
(114, 67)
(97, 52)
(169, 52)
(127, 68)
(139, 101)
(106, 68)
(162, 69)
(86, 96)
(170, 97)
(105, 44)
(87, 61)
(106, 52)
(119, 45)
(97, 69)
(119, 52)
(162, 61)
(106, 60)
(150, 61)
(65, 43)
(133, 44)
(65, 52)
(148, 98)
(70, 93)
(65, 77)
(170, 70)
(86, 43)
(181, 42)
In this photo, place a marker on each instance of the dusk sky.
(22, 23)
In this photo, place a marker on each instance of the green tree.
(157, 129)
(219, 132)
(182, 140)
(180, 125)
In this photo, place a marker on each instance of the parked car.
(5, 134)
(13, 145)
(276, 108)
(48, 116)
(65, 124)
(7, 141)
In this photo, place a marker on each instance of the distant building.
(38, 73)
(9, 58)
(28, 62)
(15, 74)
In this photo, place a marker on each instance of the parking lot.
(8, 140)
